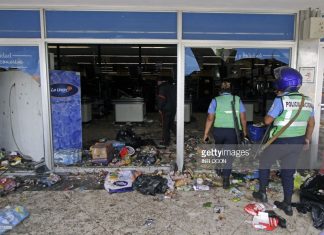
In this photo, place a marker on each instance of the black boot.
(285, 207)
(226, 182)
(260, 195)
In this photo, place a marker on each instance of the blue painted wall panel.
(225, 26)
(19, 24)
(90, 24)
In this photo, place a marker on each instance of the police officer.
(291, 142)
(167, 106)
(220, 116)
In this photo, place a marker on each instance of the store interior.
(119, 85)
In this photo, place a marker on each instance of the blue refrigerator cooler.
(65, 93)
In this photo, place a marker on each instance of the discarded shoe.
(260, 196)
(226, 182)
(285, 207)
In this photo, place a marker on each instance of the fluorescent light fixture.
(136, 63)
(211, 56)
(69, 47)
(123, 56)
(146, 47)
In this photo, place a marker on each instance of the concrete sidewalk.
(97, 212)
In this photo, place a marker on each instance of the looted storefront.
(180, 44)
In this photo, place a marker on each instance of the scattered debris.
(254, 208)
(264, 222)
(102, 152)
(219, 209)
(311, 199)
(67, 156)
(281, 221)
(10, 216)
(149, 222)
(237, 193)
(7, 184)
(207, 204)
(128, 136)
(151, 184)
(120, 181)
(201, 187)
(15, 160)
(50, 180)
(264, 219)
(299, 180)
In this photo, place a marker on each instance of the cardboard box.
(101, 150)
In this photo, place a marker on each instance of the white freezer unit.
(129, 110)
(21, 119)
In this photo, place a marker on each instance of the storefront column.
(46, 109)
(180, 95)
(309, 58)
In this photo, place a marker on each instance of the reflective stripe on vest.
(223, 113)
(291, 104)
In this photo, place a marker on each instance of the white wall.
(309, 56)
(21, 114)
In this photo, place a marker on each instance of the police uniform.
(289, 144)
(224, 130)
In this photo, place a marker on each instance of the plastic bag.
(313, 189)
(318, 216)
(312, 199)
(129, 137)
(120, 181)
(10, 216)
(151, 185)
(68, 156)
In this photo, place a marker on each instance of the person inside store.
(167, 106)
(221, 118)
(292, 120)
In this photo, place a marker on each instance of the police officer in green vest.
(220, 117)
(288, 146)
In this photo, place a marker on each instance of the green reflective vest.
(223, 113)
(290, 103)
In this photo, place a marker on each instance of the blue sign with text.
(24, 58)
(63, 90)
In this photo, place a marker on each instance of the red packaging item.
(254, 208)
